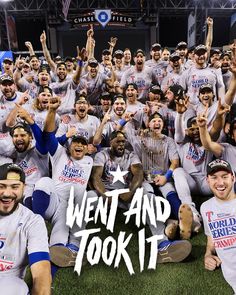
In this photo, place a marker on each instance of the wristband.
(168, 174)
(80, 63)
(122, 122)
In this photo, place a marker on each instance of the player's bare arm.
(41, 275)
(211, 261)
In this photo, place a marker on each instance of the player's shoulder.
(28, 217)
(207, 205)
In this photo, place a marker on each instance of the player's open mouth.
(220, 189)
(82, 110)
(7, 201)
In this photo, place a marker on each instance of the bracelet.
(80, 63)
(122, 122)
(168, 174)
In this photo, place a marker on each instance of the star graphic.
(118, 175)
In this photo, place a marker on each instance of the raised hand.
(113, 41)
(182, 104)
(202, 118)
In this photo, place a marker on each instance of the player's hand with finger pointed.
(211, 262)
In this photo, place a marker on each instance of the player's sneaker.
(174, 251)
(185, 221)
(171, 228)
(63, 256)
(197, 219)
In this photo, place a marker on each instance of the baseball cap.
(26, 65)
(139, 51)
(10, 167)
(200, 48)
(58, 58)
(117, 96)
(174, 56)
(156, 46)
(106, 52)
(93, 62)
(42, 89)
(6, 78)
(181, 44)
(215, 51)
(155, 115)
(79, 138)
(217, 165)
(177, 90)
(44, 68)
(226, 52)
(119, 53)
(205, 86)
(115, 133)
(191, 121)
(154, 89)
(106, 95)
(132, 84)
(8, 60)
(22, 125)
(81, 98)
(68, 58)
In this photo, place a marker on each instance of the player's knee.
(45, 184)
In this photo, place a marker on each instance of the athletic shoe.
(171, 229)
(185, 221)
(175, 251)
(63, 256)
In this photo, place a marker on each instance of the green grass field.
(188, 277)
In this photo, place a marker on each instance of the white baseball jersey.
(66, 91)
(94, 86)
(219, 220)
(67, 171)
(159, 69)
(192, 79)
(86, 128)
(143, 79)
(23, 241)
(104, 159)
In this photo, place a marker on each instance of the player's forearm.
(179, 129)
(77, 75)
(210, 249)
(42, 285)
(11, 118)
(48, 58)
(98, 135)
(207, 142)
(230, 94)
(174, 164)
(217, 127)
(50, 125)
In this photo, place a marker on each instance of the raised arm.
(181, 107)
(230, 94)
(30, 48)
(90, 44)
(112, 44)
(80, 60)
(46, 52)
(209, 37)
(98, 135)
(205, 137)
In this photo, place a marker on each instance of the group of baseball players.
(166, 124)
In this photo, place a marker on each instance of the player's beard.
(17, 201)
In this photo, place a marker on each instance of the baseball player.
(23, 238)
(106, 163)
(70, 166)
(219, 220)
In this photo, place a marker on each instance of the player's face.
(106, 104)
(206, 97)
(93, 69)
(21, 140)
(118, 145)
(81, 108)
(156, 125)
(169, 96)
(69, 66)
(106, 58)
(119, 106)
(11, 192)
(200, 58)
(77, 150)
(165, 55)
(193, 133)
(156, 54)
(44, 78)
(7, 67)
(214, 58)
(154, 96)
(8, 89)
(131, 93)
(175, 63)
(225, 62)
(34, 63)
(182, 51)
(61, 72)
(44, 98)
(221, 184)
(127, 56)
(25, 70)
(139, 59)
